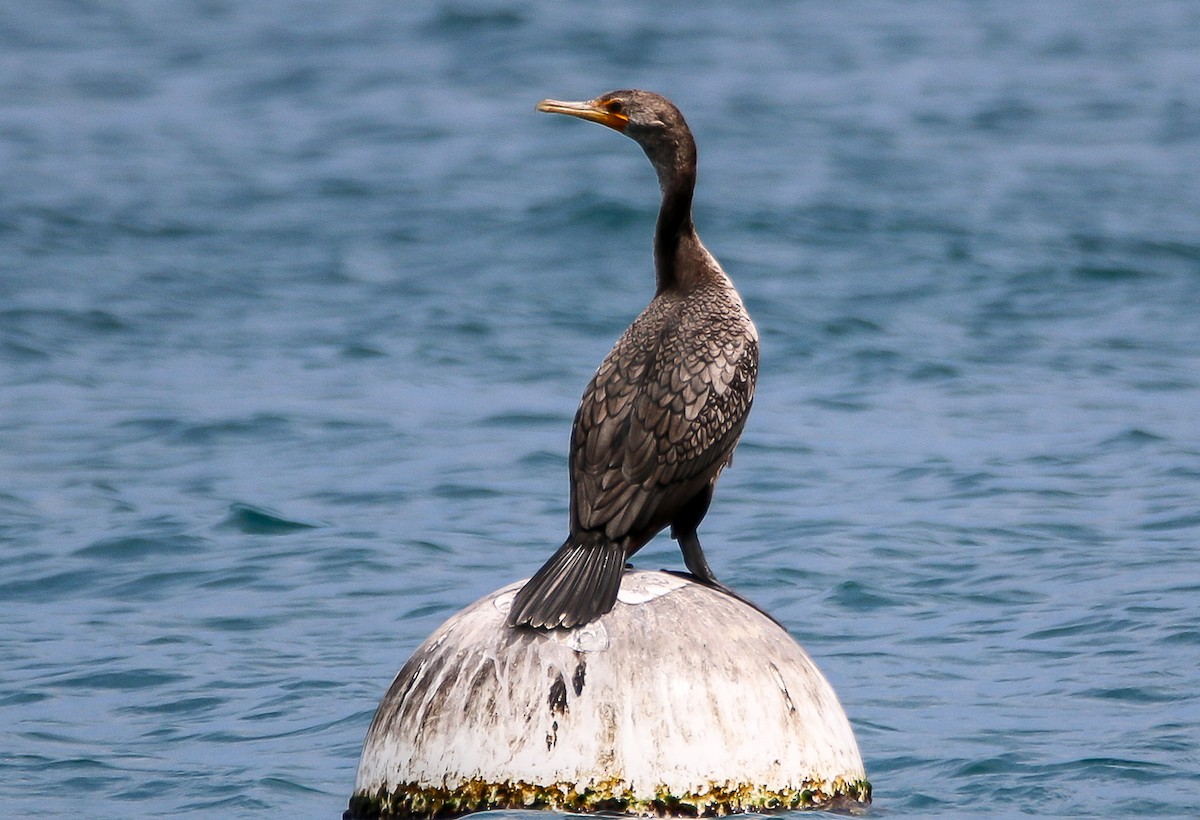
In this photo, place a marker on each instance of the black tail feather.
(575, 587)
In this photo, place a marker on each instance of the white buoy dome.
(681, 700)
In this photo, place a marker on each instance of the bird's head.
(649, 119)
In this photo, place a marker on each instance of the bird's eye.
(614, 106)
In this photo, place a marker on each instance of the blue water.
(297, 300)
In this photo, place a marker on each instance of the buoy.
(680, 701)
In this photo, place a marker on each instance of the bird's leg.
(683, 530)
(693, 558)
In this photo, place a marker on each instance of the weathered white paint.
(679, 691)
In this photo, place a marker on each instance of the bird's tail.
(575, 587)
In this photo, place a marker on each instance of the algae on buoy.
(681, 700)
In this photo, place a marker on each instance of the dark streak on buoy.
(558, 696)
(577, 680)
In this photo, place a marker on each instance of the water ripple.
(251, 520)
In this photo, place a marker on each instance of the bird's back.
(662, 415)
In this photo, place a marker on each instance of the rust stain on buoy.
(411, 800)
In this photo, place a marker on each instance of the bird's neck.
(677, 248)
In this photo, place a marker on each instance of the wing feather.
(662, 415)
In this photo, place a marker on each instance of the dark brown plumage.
(662, 415)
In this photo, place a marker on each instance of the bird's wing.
(657, 422)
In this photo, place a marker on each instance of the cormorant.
(662, 415)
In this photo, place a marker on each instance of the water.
(297, 301)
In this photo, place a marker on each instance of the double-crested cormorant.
(660, 418)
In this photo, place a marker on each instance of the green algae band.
(681, 701)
